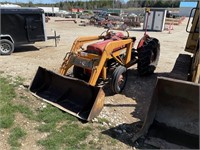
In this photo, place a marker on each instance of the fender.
(142, 40)
(7, 36)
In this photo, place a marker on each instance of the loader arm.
(193, 37)
(108, 53)
(78, 43)
(192, 45)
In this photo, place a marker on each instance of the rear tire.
(118, 80)
(148, 56)
(6, 47)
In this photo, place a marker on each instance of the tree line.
(95, 4)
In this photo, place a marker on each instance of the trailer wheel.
(6, 47)
(148, 56)
(118, 79)
(78, 73)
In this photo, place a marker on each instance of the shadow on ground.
(25, 48)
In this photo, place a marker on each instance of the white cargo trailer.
(50, 11)
(156, 19)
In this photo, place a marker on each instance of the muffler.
(173, 114)
(68, 94)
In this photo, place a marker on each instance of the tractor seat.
(98, 48)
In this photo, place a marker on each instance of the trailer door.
(35, 28)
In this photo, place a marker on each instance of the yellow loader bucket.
(69, 94)
(173, 115)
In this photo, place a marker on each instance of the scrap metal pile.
(113, 21)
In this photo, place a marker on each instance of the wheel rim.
(5, 48)
(121, 81)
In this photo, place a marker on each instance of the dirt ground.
(121, 109)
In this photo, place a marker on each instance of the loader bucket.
(173, 115)
(69, 94)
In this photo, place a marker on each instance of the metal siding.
(158, 20)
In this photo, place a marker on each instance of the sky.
(38, 1)
(33, 1)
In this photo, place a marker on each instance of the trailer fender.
(8, 37)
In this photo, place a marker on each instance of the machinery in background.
(173, 115)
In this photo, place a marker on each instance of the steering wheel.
(128, 35)
(109, 32)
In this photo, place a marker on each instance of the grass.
(53, 114)
(7, 93)
(6, 121)
(67, 136)
(25, 110)
(16, 134)
(102, 120)
(7, 108)
(23, 97)
(46, 127)
(18, 81)
(64, 130)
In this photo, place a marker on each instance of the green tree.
(159, 3)
(30, 4)
(61, 4)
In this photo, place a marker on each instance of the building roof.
(9, 5)
(20, 10)
(188, 4)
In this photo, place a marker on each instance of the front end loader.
(104, 58)
(173, 116)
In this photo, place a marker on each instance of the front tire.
(118, 80)
(6, 47)
(148, 56)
